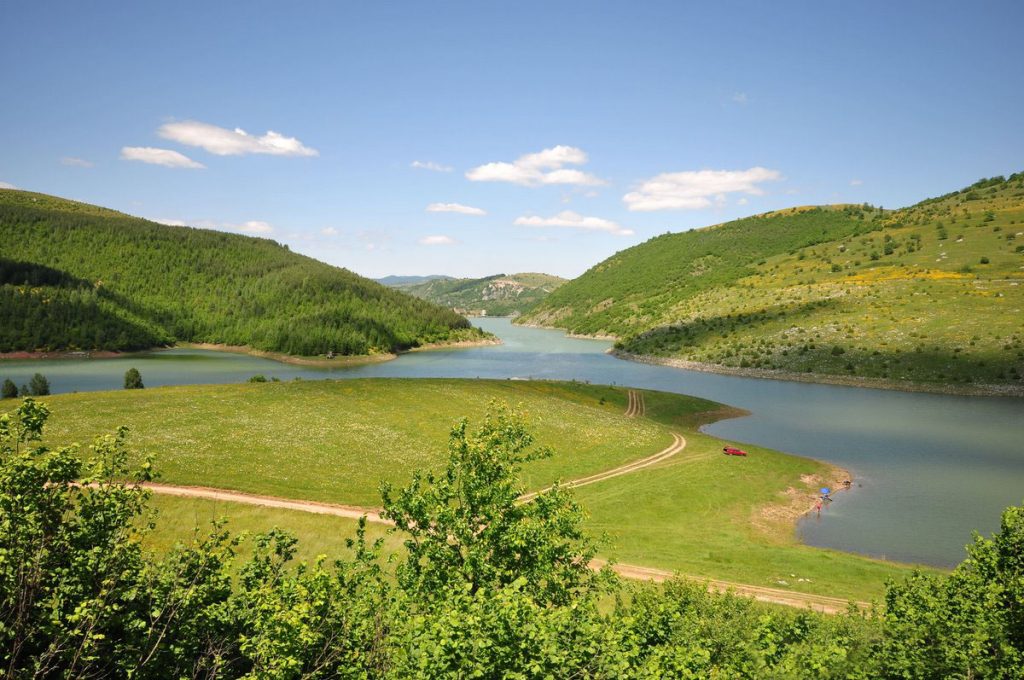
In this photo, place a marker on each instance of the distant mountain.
(400, 281)
(930, 293)
(498, 295)
(76, 276)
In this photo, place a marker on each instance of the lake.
(929, 468)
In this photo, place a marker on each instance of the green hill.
(932, 293)
(76, 276)
(499, 295)
(399, 281)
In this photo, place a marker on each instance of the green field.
(699, 512)
(931, 294)
(335, 441)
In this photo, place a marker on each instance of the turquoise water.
(929, 468)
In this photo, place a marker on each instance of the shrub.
(39, 386)
(133, 379)
(258, 379)
(984, 260)
(9, 389)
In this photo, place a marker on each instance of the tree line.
(487, 587)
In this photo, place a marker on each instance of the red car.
(732, 451)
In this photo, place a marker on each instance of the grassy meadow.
(698, 512)
(335, 441)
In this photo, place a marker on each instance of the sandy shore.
(483, 342)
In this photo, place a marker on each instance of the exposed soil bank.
(824, 378)
(100, 354)
(455, 344)
(320, 362)
(580, 336)
(819, 378)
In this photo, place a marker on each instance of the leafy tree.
(468, 529)
(9, 389)
(133, 379)
(39, 386)
(967, 625)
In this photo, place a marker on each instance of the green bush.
(133, 379)
(39, 386)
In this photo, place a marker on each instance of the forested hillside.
(930, 294)
(75, 276)
(498, 295)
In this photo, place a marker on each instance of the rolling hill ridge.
(929, 294)
(78, 277)
(498, 295)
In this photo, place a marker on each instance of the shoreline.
(568, 334)
(1014, 391)
(320, 362)
(825, 378)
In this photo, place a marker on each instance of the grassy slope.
(99, 279)
(335, 441)
(911, 300)
(499, 295)
(699, 512)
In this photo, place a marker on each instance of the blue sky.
(477, 138)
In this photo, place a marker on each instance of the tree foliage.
(78, 277)
(133, 379)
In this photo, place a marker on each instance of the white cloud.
(455, 208)
(534, 169)
(573, 220)
(164, 157)
(76, 162)
(693, 190)
(329, 231)
(170, 223)
(856, 182)
(223, 142)
(742, 201)
(255, 227)
(430, 165)
(740, 98)
(7, 185)
(437, 240)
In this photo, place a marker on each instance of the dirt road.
(677, 445)
(636, 407)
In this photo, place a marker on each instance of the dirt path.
(677, 445)
(635, 407)
(819, 603)
(207, 493)
(775, 595)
